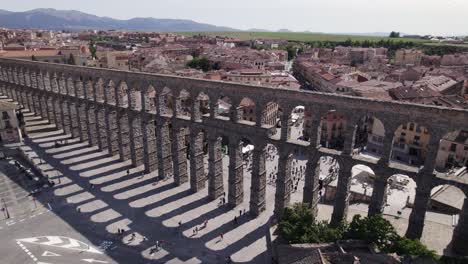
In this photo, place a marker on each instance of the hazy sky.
(443, 17)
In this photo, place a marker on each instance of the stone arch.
(166, 102)
(201, 106)
(110, 92)
(223, 107)
(328, 169)
(296, 123)
(332, 129)
(362, 183)
(184, 103)
(247, 111)
(122, 94)
(410, 144)
(369, 137)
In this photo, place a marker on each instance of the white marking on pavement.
(28, 252)
(61, 242)
(50, 254)
(93, 260)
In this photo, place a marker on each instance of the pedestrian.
(235, 220)
(224, 200)
(244, 211)
(180, 223)
(128, 172)
(157, 245)
(133, 236)
(118, 231)
(240, 213)
(196, 230)
(221, 236)
(78, 209)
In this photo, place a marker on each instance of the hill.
(53, 19)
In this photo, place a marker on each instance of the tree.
(71, 59)
(373, 229)
(394, 34)
(92, 49)
(299, 226)
(411, 247)
(200, 64)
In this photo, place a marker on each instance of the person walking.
(221, 236)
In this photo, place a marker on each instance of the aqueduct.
(127, 114)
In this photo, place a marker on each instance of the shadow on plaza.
(96, 232)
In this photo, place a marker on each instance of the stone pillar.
(112, 131)
(92, 126)
(311, 184)
(149, 146)
(418, 214)
(197, 166)
(51, 110)
(136, 141)
(350, 136)
(379, 194)
(124, 135)
(163, 139)
(340, 207)
(387, 144)
(101, 118)
(93, 135)
(258, 187)
(214, 107)
(66, 117)
(58, 113)
(83, 122)
(196, 114)
(236, 174)
(179, 155)
(215, 167)
(75, 121)
(30, 97)
(286, 124)
(283, 182)
(460, 234)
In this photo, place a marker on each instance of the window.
(453, 147)
(411, 127)
(5, 115)
(405, 126)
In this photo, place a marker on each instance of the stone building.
(410, 144)
(11, 123)
(408, 57)
(453, 150)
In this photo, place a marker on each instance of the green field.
(294, 36)
(465, 45)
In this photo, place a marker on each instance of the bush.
(298, 226)
(200, 64)
(412, 247)
(374, 229)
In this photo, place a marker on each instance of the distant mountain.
(284, 30)
(52, 19)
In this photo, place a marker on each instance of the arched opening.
(166, 102)
(246, 111)
(109, 95)
(410, 144)
(370, 134)
(332, 130)
(362, 183)
(453, 152)
(247, 149)
(298, 172)
(445, 208)
(202, 106)
(184, 104)
(399, 201)
(328, 181)
(271, 119)
(223, 108)
(135, 97)
(122, 95)
(296, 124)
